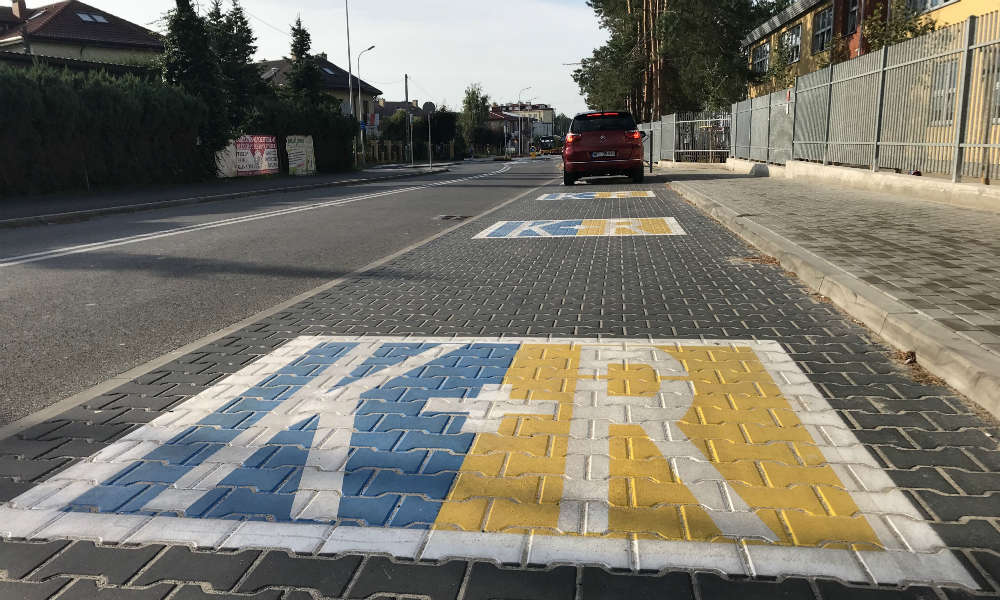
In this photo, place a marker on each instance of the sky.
(444, 45)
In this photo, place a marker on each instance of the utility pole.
(350, 78)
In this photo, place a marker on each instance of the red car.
(602, 143)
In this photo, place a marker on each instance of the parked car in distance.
(602, 143)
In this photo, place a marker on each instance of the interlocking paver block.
(489, 582)
(115, 565)
(18, 559)
(597, 584)
(194, 592)
(380, 575)
(86, 589)
(277, 569)
(24, 590)
(220, 571)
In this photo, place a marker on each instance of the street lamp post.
(350, 76)
(372, 47)
(520, 127)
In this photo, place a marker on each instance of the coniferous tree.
(190, 63)
(305, 79)
(235, 44)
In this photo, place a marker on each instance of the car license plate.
(610, 154)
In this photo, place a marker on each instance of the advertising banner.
(256, 155)
(301, 155)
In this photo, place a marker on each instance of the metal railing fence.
(930, 104)
(689, 137)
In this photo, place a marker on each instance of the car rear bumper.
(602, 167)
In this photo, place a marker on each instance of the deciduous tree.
(899, 23)
(475, 114)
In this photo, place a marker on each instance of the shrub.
(332, 132)
(65, 131)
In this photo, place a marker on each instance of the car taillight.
(634, 135)
(572, 137)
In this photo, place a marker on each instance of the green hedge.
(68, 131)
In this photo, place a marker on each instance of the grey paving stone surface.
(941, 260)
(932, 442)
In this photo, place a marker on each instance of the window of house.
(922, 6)
(822, 30)
(762, 58)
(328, 70)
(944, 83)
(85, 17)
(792, 41)
(852, 16)
(99, 18)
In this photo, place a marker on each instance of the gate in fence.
(689, 137)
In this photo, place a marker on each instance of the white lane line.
(81, 248)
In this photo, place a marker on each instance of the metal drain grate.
(453, 217)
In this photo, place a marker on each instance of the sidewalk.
(924, 275)
(579, 396)
(71, 206)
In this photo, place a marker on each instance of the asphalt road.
(81, 303)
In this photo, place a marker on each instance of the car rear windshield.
(603, 122)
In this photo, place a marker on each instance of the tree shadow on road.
(200, 268)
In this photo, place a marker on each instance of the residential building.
(544, 115)
(75, 31)
(334, 81)
(811, 30)
(387, 108)
(517, 129)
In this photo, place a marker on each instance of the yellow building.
(811, 30)
(949, 12)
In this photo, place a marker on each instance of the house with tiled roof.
(75, 31)
(334, 81)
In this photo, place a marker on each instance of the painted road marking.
(78, 249)
(583, 228)
(597, 195)
(641, 454)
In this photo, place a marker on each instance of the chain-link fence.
(930, 105)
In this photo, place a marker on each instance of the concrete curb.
(80, 215)
(966, 366)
